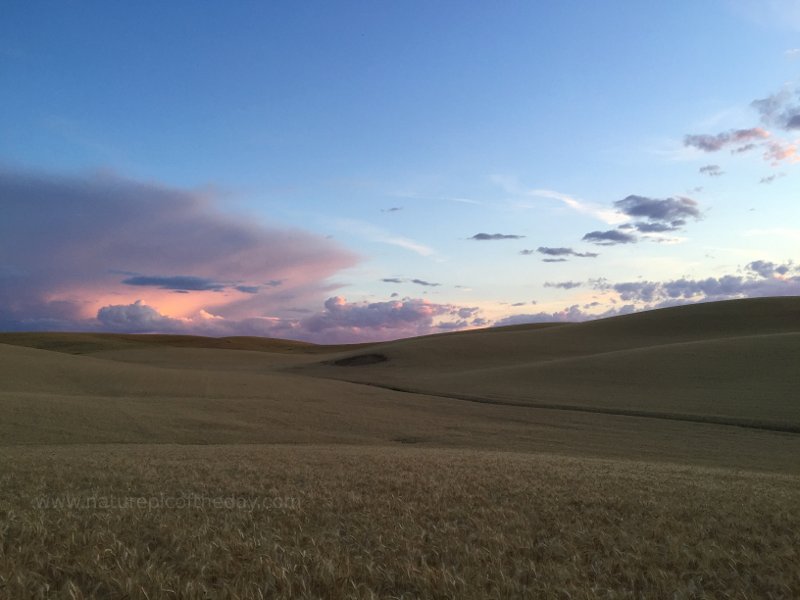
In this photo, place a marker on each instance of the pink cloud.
(339, 321)
(777, 152)
(70, 246)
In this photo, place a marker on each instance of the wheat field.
(647, 456)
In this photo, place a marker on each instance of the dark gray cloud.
(646, 227)
(176, 282)
(654, 209)
(247, 289)
(392, 209)
(137, 318)
(609, 238)
(564, 285)
(768, 269)
(425, 283)
(761, 278)
(414, 281)
(565, 252)
(496, 236)
(711, 170)
(716, 142)
(554, 260)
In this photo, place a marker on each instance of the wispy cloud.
(377, 234)
(421, 282)
(599, 212)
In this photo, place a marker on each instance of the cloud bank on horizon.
(106, 253)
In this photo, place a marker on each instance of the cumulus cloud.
(496, 236)
(711, 170)
(342, 321)
(570, 314)
(657, 216)
(653, 209)
(609, 238)
(761, 278)
(339, 321)
(76, 244)
(136, 318)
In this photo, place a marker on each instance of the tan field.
(654, 455)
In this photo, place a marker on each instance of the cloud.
(645, 227)
(570, 314)
(392, 209)
(761, 278)
(780, 110)
(339, 321)
(735, 137)
(71, 241)
(415, 281)
(425, 283)
(554, 260)
(564, 285)
(343, 321)
(136, 318)
(668, 210)
(769, 269)
(777, 152)
(564, 252)
(177, 282)
(496, 236)
(771, 178)
(609, 238)
(711, 170)
(381, 236)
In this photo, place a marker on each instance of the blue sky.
(295, 130)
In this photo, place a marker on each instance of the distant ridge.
(90, 343)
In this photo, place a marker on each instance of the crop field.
(647, 456)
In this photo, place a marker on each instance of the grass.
(344, 522)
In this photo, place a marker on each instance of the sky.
(357, 171)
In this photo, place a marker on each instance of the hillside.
(726, 362)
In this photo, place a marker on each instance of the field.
(647, 456)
